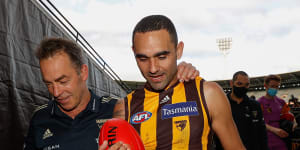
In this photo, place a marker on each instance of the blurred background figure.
(252, 97)
(273, 107)
(293, 101)
(247, 114)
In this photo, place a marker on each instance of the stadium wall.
(23, 24)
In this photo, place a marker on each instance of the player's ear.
(231, 83)
(179, 49)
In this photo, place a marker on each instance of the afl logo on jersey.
(140, 117)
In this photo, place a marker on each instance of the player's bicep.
(217, 102)
(221, 116)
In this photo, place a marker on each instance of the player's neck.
(173, 82)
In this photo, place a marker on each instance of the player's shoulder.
(199, 78)
(211, 86)
(213, 92)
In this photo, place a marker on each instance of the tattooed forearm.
(119, 110)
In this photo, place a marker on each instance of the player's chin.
(157, 86)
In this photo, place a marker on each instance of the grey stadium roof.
(288, 80)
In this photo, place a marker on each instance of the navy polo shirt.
(249, 121)
(51, 129)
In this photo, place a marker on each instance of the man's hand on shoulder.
(186, 72)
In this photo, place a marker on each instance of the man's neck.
(269, 97)
(86, 96)
(236, 99)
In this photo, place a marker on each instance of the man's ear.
(84, 72)
(179, 49)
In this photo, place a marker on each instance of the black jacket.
(51, 129)
(249, 120)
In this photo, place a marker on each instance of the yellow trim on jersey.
(206, 128)
(180, 139)
(147, 134)
(129, 98)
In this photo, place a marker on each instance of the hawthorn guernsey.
(179, 119)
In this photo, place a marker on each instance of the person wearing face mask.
(273, 107)
(247, 114)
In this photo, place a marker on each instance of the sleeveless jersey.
(176, 118)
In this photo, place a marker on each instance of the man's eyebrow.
(60, 78)
(140, 55)
(56, 80)
(165, 52)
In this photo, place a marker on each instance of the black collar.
(93, 105)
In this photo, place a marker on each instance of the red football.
(115, 130)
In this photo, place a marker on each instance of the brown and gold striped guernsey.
(176, 118)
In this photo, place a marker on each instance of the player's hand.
(186, 72)
(281, 133)
(117, 146)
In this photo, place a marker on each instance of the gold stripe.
(148, 135)
(40, 107)
(129, 98)
(206, 128)
(180, 138)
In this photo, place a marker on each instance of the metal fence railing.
(65, 23)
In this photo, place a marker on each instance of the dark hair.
(154, 23)
(272, 77)
(51, 46)
(243, 73)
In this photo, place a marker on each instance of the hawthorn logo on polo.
(140, 117)
(179, 109)
(254, 113)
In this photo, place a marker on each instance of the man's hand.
(281, 133)
(295, 124)
(117, 146)
(186, 72)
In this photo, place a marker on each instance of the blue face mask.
(272, 91)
